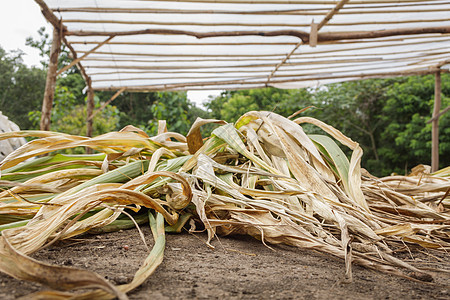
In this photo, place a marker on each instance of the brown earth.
(239, 268)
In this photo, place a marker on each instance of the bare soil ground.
(239, 268)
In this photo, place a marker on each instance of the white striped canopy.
(145, 45)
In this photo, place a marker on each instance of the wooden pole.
(50, 84)
(303, 35)
(89, 109)
(435, 124)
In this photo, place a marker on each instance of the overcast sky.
(20, 19)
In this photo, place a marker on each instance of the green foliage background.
(387, 117)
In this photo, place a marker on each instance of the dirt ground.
(239, 268)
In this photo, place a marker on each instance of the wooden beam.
(315, 2)
(382, 33)
(197, 43)
(435, 124)
(186, 23)
(304, 12)
(89, 111)
(77, 60)
(50, 83)
(303, 35)
(111, 10)
(256, 24)
(200, 55)
(241, 42)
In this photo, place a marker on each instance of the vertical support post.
(50, 83)
(435, 124)
(89, 111)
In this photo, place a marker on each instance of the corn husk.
(263, 176)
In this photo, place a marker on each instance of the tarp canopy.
(146, 45)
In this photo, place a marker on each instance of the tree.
(387, 117)
(406, 136)
(69, 116)
(134, 108)
(21, 88)
(355, 108)
(230, 106)
(172, 107)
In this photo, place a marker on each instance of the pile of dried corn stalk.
(262, 176)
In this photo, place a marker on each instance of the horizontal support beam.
(303, 12)
(317, 2)
(246, 24)
(304, 36)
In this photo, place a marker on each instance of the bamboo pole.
(50, 83)
(186, 77)
(198, 43)
(106, 59)
(317, 2)
(382, 33)
(257, 24)
(304, 12)
(186, 55)
(435, 124)
(181, 23)
(109, 10)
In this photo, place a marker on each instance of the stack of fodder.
(262, 176)
(9, 145)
